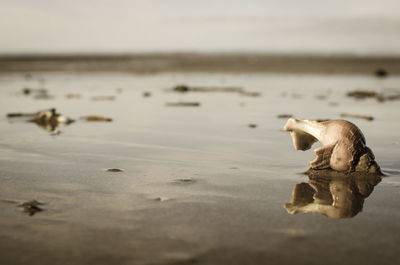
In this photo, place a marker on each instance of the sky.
(132, 26)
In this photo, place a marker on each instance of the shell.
(49, 119)
(343, 144)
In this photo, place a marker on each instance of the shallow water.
(229, 207)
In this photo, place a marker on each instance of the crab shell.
(343, 144)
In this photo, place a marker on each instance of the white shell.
(343, 144)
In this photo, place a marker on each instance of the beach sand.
(200, 184)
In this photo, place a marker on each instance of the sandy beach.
(205, 176)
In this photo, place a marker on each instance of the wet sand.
(197, 184)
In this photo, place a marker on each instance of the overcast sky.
(285, 26)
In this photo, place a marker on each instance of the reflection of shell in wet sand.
(343, 144)
(331, 193)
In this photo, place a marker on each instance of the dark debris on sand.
(114, 170)
(40, 93)
(381, 72)
(184, 181)
(381, 97)
(284, 116)
(31, 207)
(183, 104)
(357, 116)
(48, 119)
(362, 94)
(96, 118)
(26, 91)
(239, 90)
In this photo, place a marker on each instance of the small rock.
(114, 170)
(284, 116)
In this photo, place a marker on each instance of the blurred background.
(357, 27)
